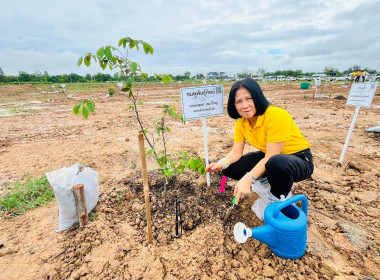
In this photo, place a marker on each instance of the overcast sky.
(197, 36)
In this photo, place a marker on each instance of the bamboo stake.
(146, 188)
(80, 202)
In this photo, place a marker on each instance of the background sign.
(202, 102)
(361, 94)
(318, 82)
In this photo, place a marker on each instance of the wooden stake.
(80, 202)
(146, 188)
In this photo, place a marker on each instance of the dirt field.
(39, 133)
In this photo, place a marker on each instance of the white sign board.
(361, 94)
(318, 82)
(202, 102)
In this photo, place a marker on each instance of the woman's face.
(244, 103)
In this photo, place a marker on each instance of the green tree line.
(328, 70)
(39, 77)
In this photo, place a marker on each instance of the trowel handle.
(294, 199)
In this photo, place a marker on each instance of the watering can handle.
(294, 199)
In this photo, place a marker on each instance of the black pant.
(281, 170)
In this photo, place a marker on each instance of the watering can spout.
(265, 234)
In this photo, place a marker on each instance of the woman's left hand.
(242, 188)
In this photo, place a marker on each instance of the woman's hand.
(242, 188)
(216, 166)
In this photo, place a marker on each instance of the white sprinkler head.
(241, 232)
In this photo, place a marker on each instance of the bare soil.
(42, 134)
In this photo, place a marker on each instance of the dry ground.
(39, 133)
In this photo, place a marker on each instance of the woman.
(284, 156)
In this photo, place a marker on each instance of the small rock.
(340, 208)
(85, 247)
(269, 271)
(137, 206)
(235, 264)
(328, 268)
(221, 274)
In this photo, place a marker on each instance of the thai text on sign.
(201, 102)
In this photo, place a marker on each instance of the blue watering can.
(284, 229)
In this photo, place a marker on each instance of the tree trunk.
(80, 202)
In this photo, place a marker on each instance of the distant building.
(258, 77)
(216, 75)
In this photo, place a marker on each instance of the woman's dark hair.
(261, 103)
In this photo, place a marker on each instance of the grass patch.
(88, 87)
(16, 111)
(25, 196)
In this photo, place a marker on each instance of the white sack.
(63, 180)
(375, 129)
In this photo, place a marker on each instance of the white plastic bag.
(261, 186)
(63, 180)
(264, 200)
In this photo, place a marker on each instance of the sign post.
(202, 102)
(317, 83)
(360, 95)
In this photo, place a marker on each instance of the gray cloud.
(198, 36)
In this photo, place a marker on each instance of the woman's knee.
(277, 164)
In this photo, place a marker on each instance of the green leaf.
(146, 48)
(103, 64)
(125, 89)
(150, 152)
(108, 53)
(134, 67)
(122, 42)
(111, 91)
(202, 170)
(193, 165)
(129, 82)
(164, 79)
(80, 60)
(87, 60)
(158, 130)
(85, 112)
(76, 109)
(91, 105)
(100, 52)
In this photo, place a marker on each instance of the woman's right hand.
(215, 166)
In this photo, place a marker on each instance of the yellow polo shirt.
(275, 125)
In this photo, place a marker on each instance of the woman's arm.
(233, 156)
(243, 187)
